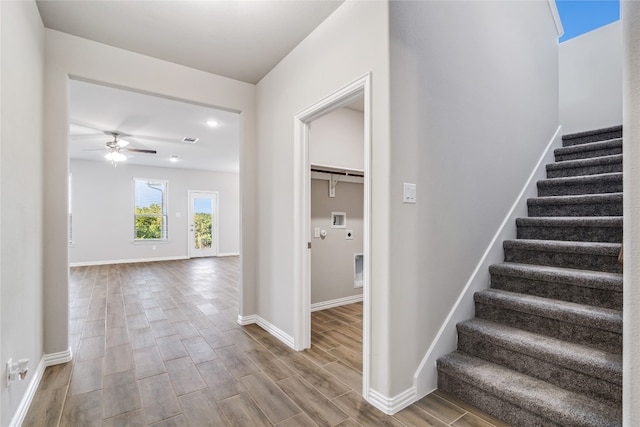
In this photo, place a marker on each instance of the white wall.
(591, 80)
(474, 102)
(102, 198)
(336, 140)
(348, 44)
(67, 55)
(332, 257)
(22, 50)
(630, 14)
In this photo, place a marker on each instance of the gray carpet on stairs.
(545, 346)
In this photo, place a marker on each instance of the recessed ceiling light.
(213, 123)
(174, 158)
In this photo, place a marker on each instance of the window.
(150, 210)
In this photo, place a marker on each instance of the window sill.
(150, 242)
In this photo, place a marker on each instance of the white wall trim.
(556, 17)
(126, 261)
(360, 87)
(27, 398)
(228, 254)
(52, 359)
(269, 327)
(336, 302)
(394, 404)
(425, 378)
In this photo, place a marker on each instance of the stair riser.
(607, 263)
(569, 379)
(560, 291)
(582, 209)
(546, 188)
(588, 154)
(571, 233)
(580, 334)
(603, 136)
(512, 414)
(583, 170)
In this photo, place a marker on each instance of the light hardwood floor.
(158, 344)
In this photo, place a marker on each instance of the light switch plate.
(348, 234)
(409, 193)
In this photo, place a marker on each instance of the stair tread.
(591, 161)
(563, 246)
(577, 357)
(611, 176)
(565, 221)
(597, 317)
(587, 278)
(589, 146)
(575, 199)
(592, 132)
(565, 407)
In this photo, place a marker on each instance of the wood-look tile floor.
(157, 344)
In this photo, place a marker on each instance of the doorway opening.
(348, 95)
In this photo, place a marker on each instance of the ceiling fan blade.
(137, 150)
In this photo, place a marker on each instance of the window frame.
(164, 215)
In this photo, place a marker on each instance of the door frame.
(302, 217)
(215, 225)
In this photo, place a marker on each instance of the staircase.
(545, 347)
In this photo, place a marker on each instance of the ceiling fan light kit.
(115, 156)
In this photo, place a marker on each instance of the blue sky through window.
(202, 205)
(581, 16)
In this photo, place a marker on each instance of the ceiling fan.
(117, 146)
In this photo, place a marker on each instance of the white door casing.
(302, 217)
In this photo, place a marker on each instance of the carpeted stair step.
(591, 184)
(581, 205)
(599, 328)
(574, 367)
(578, 229)
(594, 288)
(581, 167)
(588, 150)
(592, 136)
(554, 253)
(519, 399)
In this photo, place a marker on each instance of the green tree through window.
(150, 210)
(202, 225)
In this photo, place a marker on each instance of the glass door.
(203, 224)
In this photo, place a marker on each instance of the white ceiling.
(154, 123)
(240, 39)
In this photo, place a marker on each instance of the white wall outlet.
(348, 234)
(153, 248)
(178, 214)
(409, 193)
(316, 232)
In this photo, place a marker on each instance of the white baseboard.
(425, 378)
(228, 254)
(126, 261)
(336, 302)
(394, 404)
(27, 398)
(273, 330)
